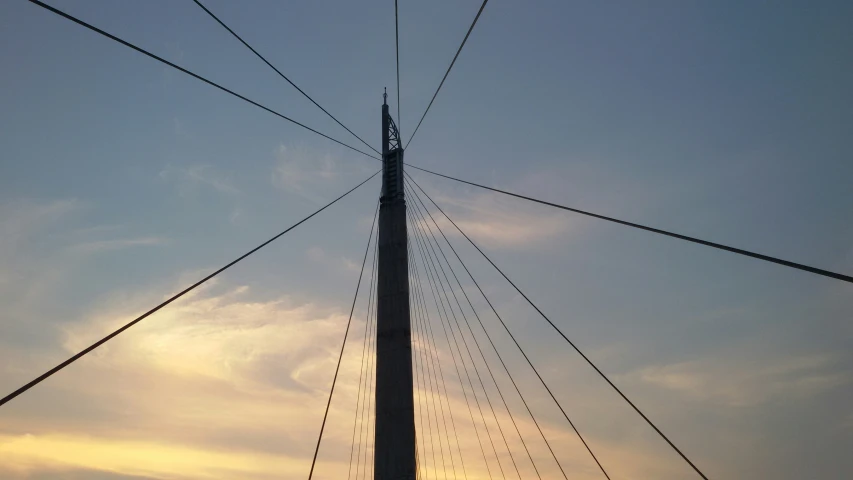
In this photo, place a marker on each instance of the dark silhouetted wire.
(371, 407)
(434, 355)
(434, 257)
(448, 70)
(572, 344)
(477, 343)
(449, 448)
(397, 49)
(364, 433)
(420, 387)
(426, 374)
(422, 313)
(194, 75)
(367, 334)
(364, 428)
(226, 27)
(444, 318)
(548, 444)
(441, 446)
(178, 295)
(453, 355)
(766, 258)
(523, 353)
(344, 343)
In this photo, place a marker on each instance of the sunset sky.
(123, 181)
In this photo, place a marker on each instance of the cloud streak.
(117, 244)
(267, 362)
(188, 180)
(498, 222)
(300, 171)
(726, 383)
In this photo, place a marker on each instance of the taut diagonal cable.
(420, 382)
(476, 342)
(364, 352)
(458, 51)
(178, 295)
(194, 75)
(444, 318)
(364, 427)
(343, 344)
(766, 258)
(397, 49)
(232, 32)
(523, 353)
(425, 373)
(419, 229)
(432, 354)
(560, 332)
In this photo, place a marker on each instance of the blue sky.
(122, 180)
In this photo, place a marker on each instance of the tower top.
(385, 97)
(392, 156)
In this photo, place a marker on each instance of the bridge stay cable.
(444, 420)
(426, 374)
(458, 51)
(766, 258)
(232, 32)
(523, 353)
(418, 391)
(194, 75)
(420, 240)
(420, 214)
(456, 341)
(431, 351)
(420, 387)
(362, 378)
(444, 321)
(566, 338)
(371, 410)
(397, 50)
(500, 358)
(364, 433)
(171, 299)
(435, 260)
(344, 343)
(432, 336)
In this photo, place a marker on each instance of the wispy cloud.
(58, 455)
(298, 170)
(160, 390)
(29, 267)
(740, 384)
(497, 221)
(235, 215)
(189, 179)
(41, 245)
(21, 219)
(320, 256)
(117, 244)
(178, 127)
(225, 384)
(268, 363)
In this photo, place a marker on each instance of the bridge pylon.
(394, 454)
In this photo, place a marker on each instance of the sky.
(122, 181)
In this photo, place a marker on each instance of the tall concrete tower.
(395, 411)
